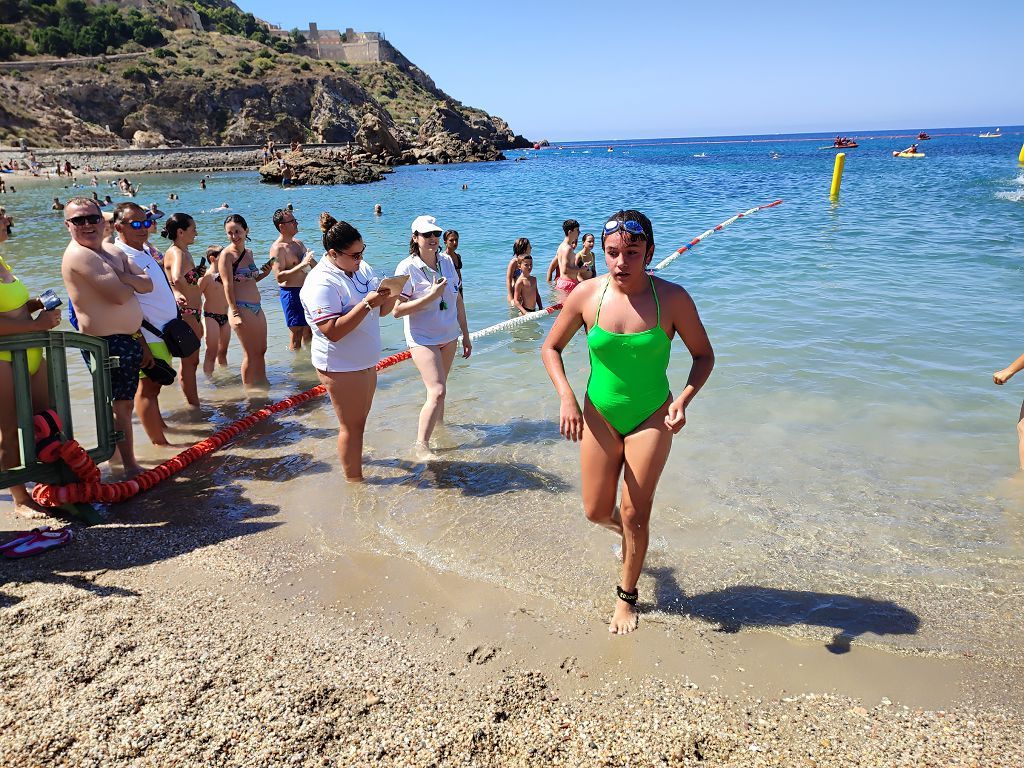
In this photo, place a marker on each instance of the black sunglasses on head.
(81, 221)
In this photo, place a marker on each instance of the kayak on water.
(907, 154)
(922, 136)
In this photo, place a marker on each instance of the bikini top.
(13, 295)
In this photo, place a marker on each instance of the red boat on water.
(922, 136)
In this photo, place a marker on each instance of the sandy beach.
(225, 634)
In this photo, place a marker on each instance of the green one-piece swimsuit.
(628, 371)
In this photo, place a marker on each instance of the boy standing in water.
(1001, 377)
(291, 264)
(527, 297)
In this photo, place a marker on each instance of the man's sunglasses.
(632, 227)
(81, 221)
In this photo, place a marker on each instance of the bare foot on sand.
(132, 470)
(624, 620)
(29, 510)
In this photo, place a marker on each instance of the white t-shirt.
(431, 325)
(159, 306)
(327, 293)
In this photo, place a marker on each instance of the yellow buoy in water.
(837, 174)
(1020, 157)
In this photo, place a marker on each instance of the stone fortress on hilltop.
(348, 46)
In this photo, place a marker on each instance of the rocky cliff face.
(207, 89)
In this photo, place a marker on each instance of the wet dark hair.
(590, 235)
(449, 232)
(176, 223)
(569, 225)
(633, 215)
(338, 235)
(121, 210)
(520, 246)
(236, 218)
(279, 216)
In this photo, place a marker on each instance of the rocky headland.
(203, 88)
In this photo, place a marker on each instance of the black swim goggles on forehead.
(633, 227)
(81, 221)
(142, 224)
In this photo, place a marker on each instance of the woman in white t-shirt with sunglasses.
(431, 304)
(344, 307)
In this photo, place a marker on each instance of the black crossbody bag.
(178, 335)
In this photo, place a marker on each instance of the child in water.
(1001, 377)
(512, 272)
(525, 293)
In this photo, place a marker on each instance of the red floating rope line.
(90, 489)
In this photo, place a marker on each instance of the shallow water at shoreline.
(849, 468)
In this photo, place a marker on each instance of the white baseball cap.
(425, 225)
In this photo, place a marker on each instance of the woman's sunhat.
(425, 224)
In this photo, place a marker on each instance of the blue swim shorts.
(294, 316)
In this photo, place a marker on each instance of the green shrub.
(135, 74)
(282, 46)
(243, 66)
(163, 53)
(304, 65)
(10, 44)
(101, 68)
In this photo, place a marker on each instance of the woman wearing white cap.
(431, 304)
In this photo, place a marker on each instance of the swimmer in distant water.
(377, 210)
(1000, 378)
(57, 205)
(202, 183)
(629, 415)
(222, 207)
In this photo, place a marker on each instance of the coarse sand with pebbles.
(225, 640)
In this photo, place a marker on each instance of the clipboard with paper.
(394, 284)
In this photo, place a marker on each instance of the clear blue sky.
(607, 70)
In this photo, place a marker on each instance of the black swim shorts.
(124, 379)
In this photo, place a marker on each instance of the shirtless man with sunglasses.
(102, 285)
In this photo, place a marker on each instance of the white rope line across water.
(542, 313)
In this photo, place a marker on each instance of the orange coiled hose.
(90, 489)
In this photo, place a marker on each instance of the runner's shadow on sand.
(156, 526)
(748, 605)
(473, 478)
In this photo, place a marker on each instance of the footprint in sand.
(482, 654)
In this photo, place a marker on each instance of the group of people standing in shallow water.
(123, 290)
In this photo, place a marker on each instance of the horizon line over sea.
(741, 138)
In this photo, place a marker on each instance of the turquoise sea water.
(849, 466)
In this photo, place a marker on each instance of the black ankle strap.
(628, 597)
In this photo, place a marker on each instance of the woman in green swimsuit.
(629, 415)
